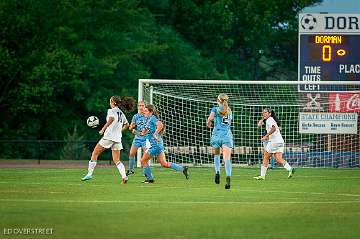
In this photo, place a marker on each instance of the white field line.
(176, 202)
(191, 188)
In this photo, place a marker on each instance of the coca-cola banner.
(344, 102)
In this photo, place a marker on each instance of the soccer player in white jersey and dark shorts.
(275, 145)
(116, 122)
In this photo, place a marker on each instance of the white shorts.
(271, 147)
(105, 143)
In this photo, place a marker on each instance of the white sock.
(121, 169)
(287, 166)
(91, 167)
(263, 171)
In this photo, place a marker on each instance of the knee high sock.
(217, 163)
(131, 163)
(121, 169)
(91, 167)
(228, 167)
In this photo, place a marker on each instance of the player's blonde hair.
(224, 99)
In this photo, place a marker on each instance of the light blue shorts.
(139, 142)
(218, 141)
(155, 150)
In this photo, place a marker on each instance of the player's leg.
(217, 165)
(132, 156)
(92, 163)
(216, 144)
(227, 161)
(272, 162)
(264, 165)
(120, 166)
(162, 160)
(147, 170)
(279, 158)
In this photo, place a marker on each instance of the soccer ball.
(92, 121)
(308, 22)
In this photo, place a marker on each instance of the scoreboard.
(329, 50)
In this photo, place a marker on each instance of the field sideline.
(316, 203)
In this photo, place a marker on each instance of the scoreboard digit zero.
(329, 50)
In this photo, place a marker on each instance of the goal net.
(319, 123)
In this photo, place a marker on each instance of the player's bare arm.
(111, 119)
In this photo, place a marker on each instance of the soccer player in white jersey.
(116, 122)
(275, 145)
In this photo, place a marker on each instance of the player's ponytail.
(224, 99)
(273, 114)
(125, 103)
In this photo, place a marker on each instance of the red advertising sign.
(344, 102)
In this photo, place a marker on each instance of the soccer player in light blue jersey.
(153, 130)
(136, 127)
(221, 136)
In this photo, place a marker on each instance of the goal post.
(319, 120)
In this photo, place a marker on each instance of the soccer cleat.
(124, 180)
(129, 172)
(259, 178)
(217, 178)
(87, 177)
(227, 185)
(186, 172)
(148, 181)
(291, 172)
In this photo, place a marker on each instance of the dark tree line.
(60, 61)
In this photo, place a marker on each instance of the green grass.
(316, 203)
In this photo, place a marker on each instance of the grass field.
(316, 203)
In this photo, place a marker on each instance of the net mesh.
(184, 108)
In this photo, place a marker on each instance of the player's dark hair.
(273, 114)
(153, 110)
(125, 103)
